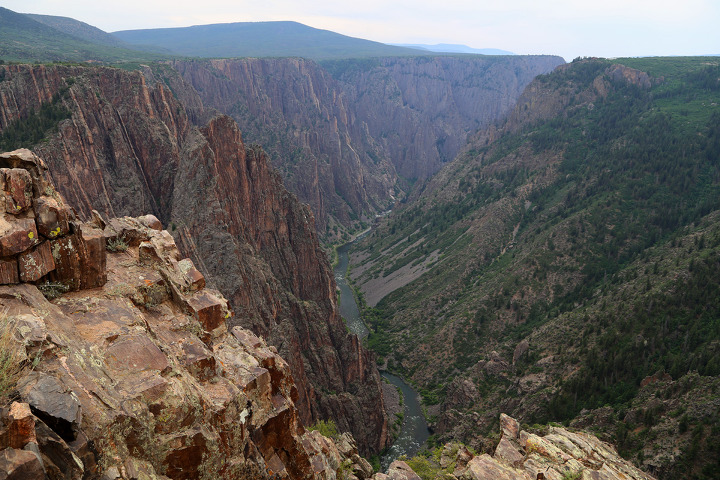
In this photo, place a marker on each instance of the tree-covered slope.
(566, 258)
(260, 39)
(42, 38)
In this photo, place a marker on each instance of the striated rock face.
(341, 141)
(299, 114)
(423, 109)
(130, 149)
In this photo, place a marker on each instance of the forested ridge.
(577, 254)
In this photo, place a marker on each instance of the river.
(414, 431)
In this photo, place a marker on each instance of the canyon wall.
(129, 148)
(349, 135)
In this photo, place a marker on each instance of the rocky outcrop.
(140, 374)
(130, 149)
(521, 455)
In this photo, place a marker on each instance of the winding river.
(414, 432)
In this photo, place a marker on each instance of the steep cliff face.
(300, 116)
(421, 110)
(340, 141)
(129, 148)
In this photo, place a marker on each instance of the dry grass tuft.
(12, 358)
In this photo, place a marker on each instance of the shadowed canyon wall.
(349, 135)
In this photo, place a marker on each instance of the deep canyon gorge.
(533, 248)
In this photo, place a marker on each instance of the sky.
(570, 28)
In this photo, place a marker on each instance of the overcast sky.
(570, 28)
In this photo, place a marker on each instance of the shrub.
(326, 428)
(117, 245)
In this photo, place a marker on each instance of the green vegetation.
(25, 39)
(327, 428)
(11, 359)
(594, 233)
(427, 463)
(52, 290)
(117, 245)
(25, 132)
(572, 475)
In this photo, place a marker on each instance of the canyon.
(137, 373)
(544, 245)
(154, 142)
(529, 275)
(350, 136)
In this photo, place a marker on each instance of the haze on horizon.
(611, 28)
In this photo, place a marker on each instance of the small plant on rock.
(52, 290)
(117, 245)
(12, 360)
(326, 428)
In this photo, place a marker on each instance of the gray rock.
(51, 402)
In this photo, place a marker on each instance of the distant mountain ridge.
(45, 38)
(261, 39)
(78, 29)
(454, 48)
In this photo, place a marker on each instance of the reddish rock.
(247, 234)
(199, 361)
(52, 402)
(26, 160)
(135, 353)
(192, 275)
(80, 259)
(151, 221)
(151, 290)
(94, 257)
(59, 460)
(66, 253)
(30, 329)
(400, 470)
(18, 190)
(16, 235)
(208, 309)
(36, 263)
(186, 454)
(159, 248)
(483, 467)
(248, 339)
(657, 377)
(127, 229)
(21, 424)
(9, 272)
(509, 426)
(51, 218)
(20, 465)
(508, 452)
